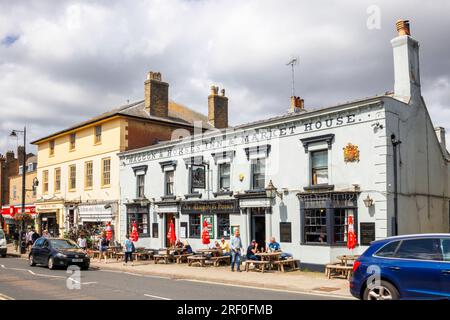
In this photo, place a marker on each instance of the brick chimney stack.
(297, 104)
(20, 154)
(218, 108)
(10, 156)
(156, 95)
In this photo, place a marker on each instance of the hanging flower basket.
(23, 217)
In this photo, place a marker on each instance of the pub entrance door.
(258, 227)
(169, 217)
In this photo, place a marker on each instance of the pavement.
(303, 283)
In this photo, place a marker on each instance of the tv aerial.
(292, 62)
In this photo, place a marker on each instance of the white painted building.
(327, 164)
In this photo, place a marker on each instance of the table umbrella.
(134, 233)
(171, 236)
(109, 232)
(351, 236)
(205, 233)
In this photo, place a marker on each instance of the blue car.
(404, 267)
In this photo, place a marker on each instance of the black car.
(56, 252)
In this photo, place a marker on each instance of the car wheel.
(85, 267)
(31, 261)
(4, 255)
(384, 291)
(51, 264)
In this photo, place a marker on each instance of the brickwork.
(218, 108)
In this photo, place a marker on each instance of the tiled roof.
(178, 115)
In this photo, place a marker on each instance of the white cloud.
(76, 59)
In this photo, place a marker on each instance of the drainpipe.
(395, 143)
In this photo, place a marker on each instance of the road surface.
(19, 281)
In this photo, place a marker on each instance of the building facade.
(378, 160)
(78, 168)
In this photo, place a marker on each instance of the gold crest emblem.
(351, 153)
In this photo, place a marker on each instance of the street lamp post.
(24, 160)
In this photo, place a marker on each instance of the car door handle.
(446, 271)
(394, 268)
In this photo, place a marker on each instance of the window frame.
(72, 141)
(192, 234)
(57, 180)
(253, 164)
(313, 169)
(98, 131)
(106, 185)
(139, 186)
(72, 180)
(51, 148)
(220, 226)
(86, 179)
(220, 186)
(168, 184)
(134, 216)
(45, 186)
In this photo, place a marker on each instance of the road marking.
(5, 297)
(136, 274)
(268, 289)
(156, 297)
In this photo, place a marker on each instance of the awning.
(11, 211)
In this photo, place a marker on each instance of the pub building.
(301, 175)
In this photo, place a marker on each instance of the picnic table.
(213, 251)
(345, 259)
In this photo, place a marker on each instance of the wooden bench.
(166, 258)
(259, 265)
(196, 259)
(219, 259)
(292, 264)
(339, 269)
(183, 257)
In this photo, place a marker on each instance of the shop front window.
(340, 224)
(315, 225)
(223, 226)
(140, 215)
(194, 226)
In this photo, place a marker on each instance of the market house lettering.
(328, 123)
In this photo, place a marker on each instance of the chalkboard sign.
(183, 229)
(285, 232)
(155, 229)
(367, 232)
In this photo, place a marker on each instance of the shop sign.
(210, 207)
(198, 177)
(210, 222)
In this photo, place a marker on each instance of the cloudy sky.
(64, 61)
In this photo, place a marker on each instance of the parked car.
(56, 252)
(408, 267)
(2, 243)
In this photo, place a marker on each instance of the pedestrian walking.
(82, 242)
(103, 247)
(129, 249)
(236, 248)
(16, 239)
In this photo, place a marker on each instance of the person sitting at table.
(252, 250)
(225, 247)
(178, 245)
(187, 247)
(275, 247)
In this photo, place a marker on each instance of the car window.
(63, 244)
(388, 250)
(445, 246)
(420, 249)
(39, 243)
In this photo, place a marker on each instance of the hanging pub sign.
(198, 177)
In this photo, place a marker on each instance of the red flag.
(205, 233)
(351, 236)
(134, 233)
(108, 231)
(171, 234)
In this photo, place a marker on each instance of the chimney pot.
(403, 27)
